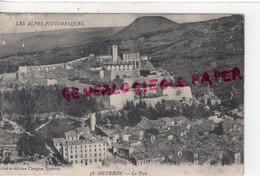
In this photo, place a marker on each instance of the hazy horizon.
(8, 21)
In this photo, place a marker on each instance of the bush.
(31, 145)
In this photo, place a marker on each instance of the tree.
(107, 121)
(127, 106)
(218, 130)
(153, 113)
(226, 160)
(41, 99)
(134, 116)
(8, 126)
(30, 145)
(209, 102)
(142, 104)
(202, 112)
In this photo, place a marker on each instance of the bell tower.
(114, 53)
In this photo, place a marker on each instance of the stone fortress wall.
(51, 67)
(59, 74)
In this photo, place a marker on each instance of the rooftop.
(167, 119)
(156, 122)
(129, 52)
(179, 118)
(144, 125)
(87, 135)
(71, 134)
(83, 129)
(87, 141)
(148, 66)
(117, 64)
(59, 140)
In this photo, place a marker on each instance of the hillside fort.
(96, 71)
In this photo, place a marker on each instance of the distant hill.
(37, 48)
(144, 24)
(182, 38)
(216, 43)
(38, 41)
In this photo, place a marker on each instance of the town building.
(146, 159)
(10, 78)
(81, 146)
(123, 149)
(118, 66)
(89, 151)
(214, 100)
(133, 57)
(169, 121)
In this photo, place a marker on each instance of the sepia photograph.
(121, 91)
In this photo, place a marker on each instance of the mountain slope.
(38, 41)
(220, 41)
(39, 48)
(197, 46)
(144, 24)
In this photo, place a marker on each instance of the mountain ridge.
(144, 24)
(219, 40)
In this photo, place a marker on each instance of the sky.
(8, 22)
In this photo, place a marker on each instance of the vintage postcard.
(121, 94)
